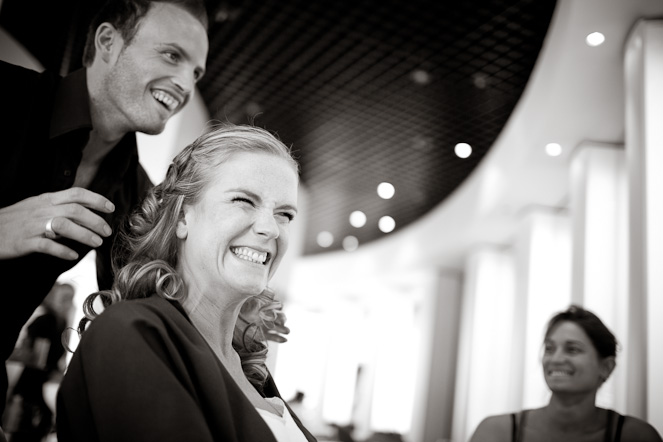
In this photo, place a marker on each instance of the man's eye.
(172, 56)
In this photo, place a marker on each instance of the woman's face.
(571, 363)
(234, 237)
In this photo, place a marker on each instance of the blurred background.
(468, 169)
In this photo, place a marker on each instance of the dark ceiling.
(364, 91)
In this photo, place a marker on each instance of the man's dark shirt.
(45, 126)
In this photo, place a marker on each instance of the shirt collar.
(71, 110)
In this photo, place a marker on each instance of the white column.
(599, 223)
(543, 287)
(643, 64)
(486, 379)
(440, 316)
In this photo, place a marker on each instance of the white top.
(284, 427)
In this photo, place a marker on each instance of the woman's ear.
(182, 230)
(107, 42)
(607, 366)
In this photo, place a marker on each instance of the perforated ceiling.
(364, 91)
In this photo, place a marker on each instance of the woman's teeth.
(249, 255)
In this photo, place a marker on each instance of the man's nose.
(185, 81)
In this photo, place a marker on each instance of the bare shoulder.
(638, 430)
(493, 429)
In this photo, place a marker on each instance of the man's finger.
(69, 229)
(281, 329)
(81, 196)
(271, 336)
(84, 218)
(50, 247)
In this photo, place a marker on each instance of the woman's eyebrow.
(255, 196)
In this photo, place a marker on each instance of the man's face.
(153, 77)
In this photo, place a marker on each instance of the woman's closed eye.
(241, 199)
(286, 216)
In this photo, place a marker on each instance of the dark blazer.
(142, 372)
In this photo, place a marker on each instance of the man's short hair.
(126, 15)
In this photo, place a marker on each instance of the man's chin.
(152, 129)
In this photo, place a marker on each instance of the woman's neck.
(215, 319)
(572, 412)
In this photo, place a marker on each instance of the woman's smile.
(251, 255)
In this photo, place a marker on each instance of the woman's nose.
(265, 224)
(558, 355)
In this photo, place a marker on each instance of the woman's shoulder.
(125, 314)
(635, 429)
(494, 428)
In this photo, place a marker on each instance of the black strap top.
(518, 426)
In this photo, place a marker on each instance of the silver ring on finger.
(49, 232)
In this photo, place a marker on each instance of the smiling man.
(70, 170)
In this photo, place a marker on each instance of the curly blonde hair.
(145, 255)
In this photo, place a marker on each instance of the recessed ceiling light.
(595, 39)
(420, 76)
(325, 239)
(350, 243)
(252, 109)
(553, 149)
(386, 190)
(357, 218)
(386, 224)
(463, 150)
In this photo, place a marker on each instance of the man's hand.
(272, 324)
(277, 334)
(23, 225)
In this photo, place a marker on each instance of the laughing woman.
(579, 356)
(171, 358)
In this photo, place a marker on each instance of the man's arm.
(70, 212)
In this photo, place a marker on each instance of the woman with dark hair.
(175, 355)
(578, 357)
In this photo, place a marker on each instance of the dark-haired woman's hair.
(125, 16)
(145, 255)
(603, 340)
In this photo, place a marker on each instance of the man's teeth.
(168, 100)
(559, 373)
(249, 255)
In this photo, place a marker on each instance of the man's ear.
(107, 41)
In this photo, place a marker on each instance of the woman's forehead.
(256, 171)
(567, 331)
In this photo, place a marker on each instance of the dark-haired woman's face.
(570, 362)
